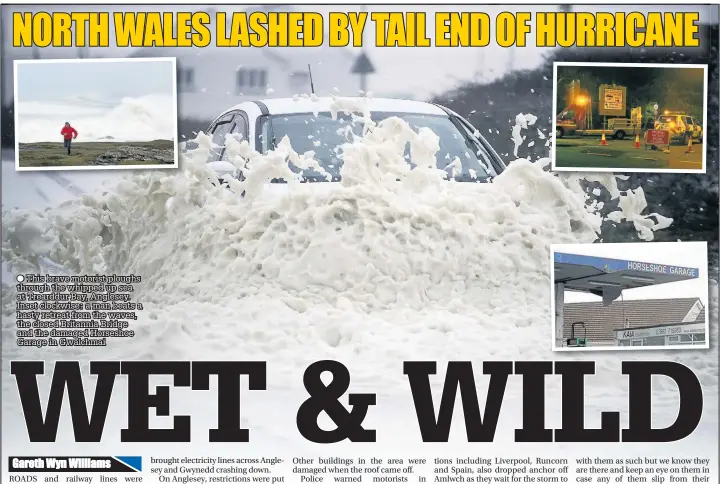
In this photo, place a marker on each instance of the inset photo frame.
(629, 296)
(95, 114)
(614, 117)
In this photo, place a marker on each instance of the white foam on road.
(40, 190)
(371, 272)
(370, 269)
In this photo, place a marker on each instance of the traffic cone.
(637, 140)
(603, 141)
(689, 149)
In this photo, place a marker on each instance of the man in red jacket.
(68, 133)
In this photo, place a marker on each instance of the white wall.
(214, 75)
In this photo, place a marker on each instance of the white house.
(211, 79)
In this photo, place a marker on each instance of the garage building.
(646, 322)
(595, 323)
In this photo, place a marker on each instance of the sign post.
(362, 67)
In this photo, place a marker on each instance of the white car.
(310, 127)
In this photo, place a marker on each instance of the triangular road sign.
(362, 65)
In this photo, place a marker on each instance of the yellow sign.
(612, 100)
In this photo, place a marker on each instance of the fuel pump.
(574, 341)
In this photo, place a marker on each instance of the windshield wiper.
(309, 179)
(467, 178)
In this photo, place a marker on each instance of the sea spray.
(376, 269)
(139, 226)
(142, 118)
(630, 204)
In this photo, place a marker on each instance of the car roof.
(324, 104)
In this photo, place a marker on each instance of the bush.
(7, 126)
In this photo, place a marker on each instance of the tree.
(7, 124)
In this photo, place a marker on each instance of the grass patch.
(82, 153)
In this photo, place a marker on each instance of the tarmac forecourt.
(587, 152)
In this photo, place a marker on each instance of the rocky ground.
(124, 154)
(102, 153)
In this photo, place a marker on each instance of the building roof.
(596, 274)
(325, 104)
(600, 320)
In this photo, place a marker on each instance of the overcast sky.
(92, 80)
(686, 254)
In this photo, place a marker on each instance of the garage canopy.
(609, 277)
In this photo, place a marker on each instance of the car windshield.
(667, 119)
(325, 137)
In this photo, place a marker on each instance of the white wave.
(144, 118)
